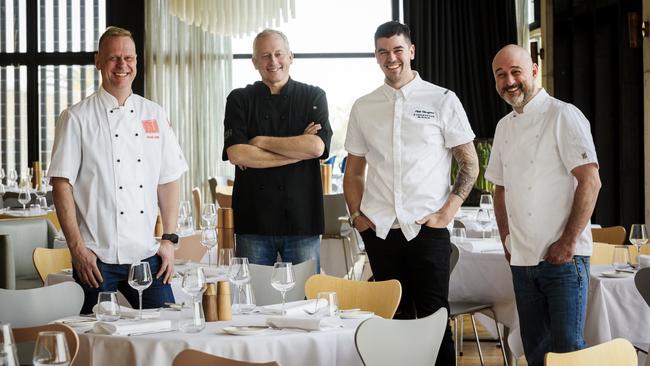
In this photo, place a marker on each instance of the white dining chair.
(267, 295)
(41, 305)
(416, 342)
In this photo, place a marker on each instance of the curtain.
(455, 42)
(523, 30)
(189, 74)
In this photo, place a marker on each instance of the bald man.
(544, 166)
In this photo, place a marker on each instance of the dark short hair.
(393, 28)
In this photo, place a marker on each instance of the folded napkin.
(479, 245)
(293, 308)
(305, 323)
(128, 327)
(644, 260)
(127, 312)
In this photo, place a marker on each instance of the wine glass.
(51, 349)
(194, 284)
(223, 259)
(8, 350)
(458, 235)
(239, 273)
(2, 174)
(283, 279)
(638, 236)
(209, 240)
(486, 202)
(182, 217)
(484, 219)
(29, 172)
(12, 178)
(140, 279)
(2, 193)
(24, 197)
(209, 214)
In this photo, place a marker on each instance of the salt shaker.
(224, 309)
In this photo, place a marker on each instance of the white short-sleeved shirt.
(406, 137)
(115, 158)
(532, 157)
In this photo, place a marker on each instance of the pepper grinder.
(224, 309)
(210, 307)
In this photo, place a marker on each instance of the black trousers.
(422, 267)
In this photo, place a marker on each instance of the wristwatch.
(171, 237)
(353, 216)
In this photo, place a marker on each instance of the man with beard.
(543, 163)
(406, 132)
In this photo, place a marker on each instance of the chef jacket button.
(140, 185)
(137, 134)
(121, 212)
(116, 135)
(118, 160)
(138, 160)
(111, 111)
(120, 187)
(141, 211)
(131, 110)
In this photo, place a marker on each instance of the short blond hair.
(113, 32)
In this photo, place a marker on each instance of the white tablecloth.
(288, 347)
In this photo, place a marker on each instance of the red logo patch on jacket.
(151, 129)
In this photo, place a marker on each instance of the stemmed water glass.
(2, 193)
(140, 279)
(209, 240)
(209, 215)
(24, 197)
(239, 273)
(51, 349)
(12, 178)
(638, 236)
(283, 279)
(486, 202)
(2, 174)
(194, 284)
(484, 219)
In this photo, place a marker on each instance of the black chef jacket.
(285, 200)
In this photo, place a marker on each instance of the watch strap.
(171, 237)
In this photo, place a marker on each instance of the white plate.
(77, 321)
(244, 331)
(362, 314)
(615, 274)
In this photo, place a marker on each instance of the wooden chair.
(602, 253)
(230, 182)
(223, 200)
(212, 182)
(190, 357)
(388, 342)
(617, 352)
(610, 235)
(23, 335)
(381, 297)
(198, 206)
(190, 248)
(48, 261)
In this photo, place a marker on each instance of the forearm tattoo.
(465, 156)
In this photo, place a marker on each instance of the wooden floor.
(491, 353)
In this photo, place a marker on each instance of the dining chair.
(190, 248)
(190, 357)
(457, 309)
(610, 235)
(29, 334)
(223, 200)
(336, 215)
(602, 253)
(47, 260)
(642, 282)
(198, 206)
(380, 297)
(41, 305)
(230, 182)
(213, 183)
(617, 352)
(388, 342)
(267, 295)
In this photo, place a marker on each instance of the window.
(333, 46)
(46, 65)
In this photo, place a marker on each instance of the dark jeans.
(263, 249)
(116, 278)
(552, 305)
(422, 267)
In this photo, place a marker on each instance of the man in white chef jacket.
(115, 163)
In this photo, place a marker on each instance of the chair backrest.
(190, 248)
(619, 352)
(642, 282)
(7, 263)
(29, 334)
(190, 357)
(602, 253)
(212, 182)
(334, 207)
(393, 342)
(224, 200)
(198, 206)
(30, 307)
(230, 182)
(380, 297)
(454, 257)
(267, 295)
(48, 261)
(610, 235)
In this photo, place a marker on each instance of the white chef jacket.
(532, 157)
(115, 158)
(406, 137)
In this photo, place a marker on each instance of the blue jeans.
(264, 249)
(552, 305)
(116, 278)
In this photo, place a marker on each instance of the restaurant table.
(288, 347)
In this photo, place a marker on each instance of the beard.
(519, 100)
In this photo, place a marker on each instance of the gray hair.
(270, 32)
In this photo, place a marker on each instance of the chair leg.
(455, 335)
(460, 342)
(503, 346)
(478, 343)
(345, 255)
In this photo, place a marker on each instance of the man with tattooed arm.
(405, 133)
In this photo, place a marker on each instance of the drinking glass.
(51, 349)
(8, 349)
(2, 174)
(24, 197)
(108, 310)
(621, 257)
(283, 279)
(209, 215)
(484, 218)
(209, 240)
(29, 172)
(458, 235)
(2, 193)
(486, 202)
(239, 274)
(194, 284)
(189, 222)
(638, 236)
(140, 279)
(42, 202)
(223, 259)
(12, 178)
(327, 304)
(246, 302)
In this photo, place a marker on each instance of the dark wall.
(596, 70)
(130, 15)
